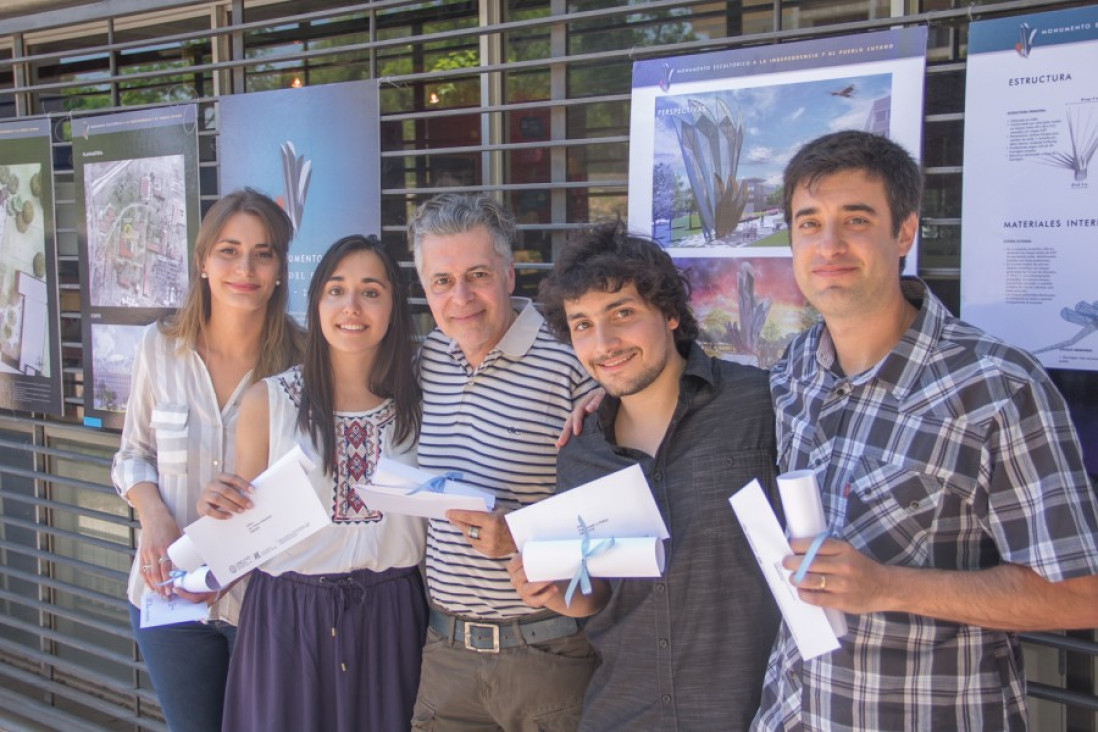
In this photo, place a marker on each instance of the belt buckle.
(469, 627)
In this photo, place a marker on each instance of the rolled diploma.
(184, 555)
(200, 580)
(804, 519)
(548, 561)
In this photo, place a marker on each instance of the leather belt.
(489, 636)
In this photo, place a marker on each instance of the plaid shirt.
(954, 452)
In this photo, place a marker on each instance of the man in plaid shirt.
(951, 476)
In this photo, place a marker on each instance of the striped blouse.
(176, 437)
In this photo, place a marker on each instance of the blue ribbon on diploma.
(436, 484)
(582, 578)
(172, 577)
(814, 547)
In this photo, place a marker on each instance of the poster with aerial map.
(30, 378)
(136, 176)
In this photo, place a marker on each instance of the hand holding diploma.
(399, 488)
(617, 531)
(807, 624)
(485, 532)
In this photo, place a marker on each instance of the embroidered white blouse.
(358, 536)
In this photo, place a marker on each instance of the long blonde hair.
(283, 341)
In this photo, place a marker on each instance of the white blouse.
(358, 536)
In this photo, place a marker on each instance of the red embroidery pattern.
(358, 448)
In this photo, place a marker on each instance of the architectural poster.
(1030, 201)
(136, 176)
(316, 151)
(30, 347)
(710, 136)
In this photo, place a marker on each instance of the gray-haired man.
(496, 388)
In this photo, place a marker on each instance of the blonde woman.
(190, 373)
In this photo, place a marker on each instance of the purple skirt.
(327, 652)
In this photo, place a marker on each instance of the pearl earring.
(204, 276)
(278, 282)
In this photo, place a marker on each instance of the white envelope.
(549, 561)
(286, 511)
(807, 623)
(389, 488)
(618, 505)
(157, 610)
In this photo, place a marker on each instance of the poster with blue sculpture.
(710, 136)
(1030, 201)
(316, 151)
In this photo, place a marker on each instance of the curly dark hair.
(606, 257)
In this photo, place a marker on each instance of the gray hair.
(456, 213)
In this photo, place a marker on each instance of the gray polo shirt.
(687, 651)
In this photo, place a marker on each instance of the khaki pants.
(533, 688)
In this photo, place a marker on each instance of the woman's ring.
(164, 560)
(474, 532)
(823, 582)
(146, 567)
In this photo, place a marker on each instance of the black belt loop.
(518, 632)
(453, 629)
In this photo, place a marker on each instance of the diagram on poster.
(710, 137)
(29, 332)
(136, 177)
(1030, 198)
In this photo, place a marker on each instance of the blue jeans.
(188, 663)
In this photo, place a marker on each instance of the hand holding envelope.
(286, 511)
(609, 527)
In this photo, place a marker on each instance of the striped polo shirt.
(496, 425)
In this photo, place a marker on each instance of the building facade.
(528, 99)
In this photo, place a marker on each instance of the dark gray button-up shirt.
(687, 651)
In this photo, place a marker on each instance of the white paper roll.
(200, 580)
(184, 555)
(804, 514)
(804, 519)
(549, 561)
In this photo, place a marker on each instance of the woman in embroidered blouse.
(190, 373)
(331, 630)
